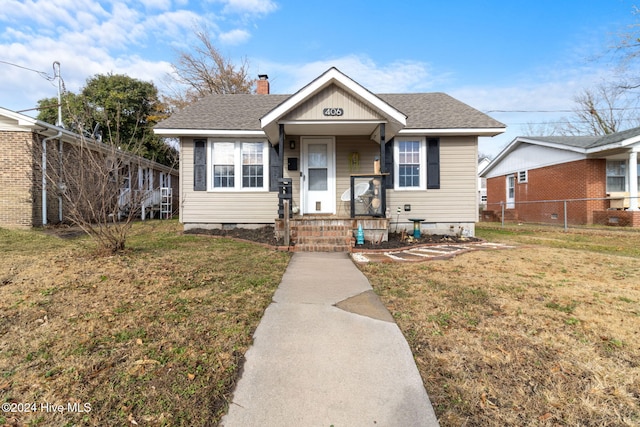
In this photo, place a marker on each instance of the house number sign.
(333, 111)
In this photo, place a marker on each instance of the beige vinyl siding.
(345, 145)
(456, 200)
(331, 97)
(245, 207)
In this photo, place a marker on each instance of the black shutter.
(274, 167)
(200, 165)
(433, 164)
(388, 164)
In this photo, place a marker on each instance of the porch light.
(292, 144)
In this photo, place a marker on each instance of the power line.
(560, 111)
(41, 73)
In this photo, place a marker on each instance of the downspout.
(56, 74)
(44, 175)
(60, 183)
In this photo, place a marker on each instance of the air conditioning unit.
(618, 200)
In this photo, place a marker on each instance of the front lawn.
(545, 334)
(154, 336)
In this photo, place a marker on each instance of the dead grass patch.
(546, 334)
(154, 336)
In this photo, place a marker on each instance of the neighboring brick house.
(21, 195)
(597, 176)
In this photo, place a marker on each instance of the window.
(616, 175)
(409, 164)
(523, 176)
(125, 176)
(165, 180)
(238, 166)
(224, 165)
(145, 179)
(252, 165)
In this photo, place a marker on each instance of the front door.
(318, 176)
(511, 192)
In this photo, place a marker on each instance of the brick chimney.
(263, 85)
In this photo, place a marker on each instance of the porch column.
(382, 148)
(633, 180)
(281, 148)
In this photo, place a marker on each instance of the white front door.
(511, 192)
(318, 182)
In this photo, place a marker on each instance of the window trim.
(237, 162)
(422, 165)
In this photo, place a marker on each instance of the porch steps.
(322, 235)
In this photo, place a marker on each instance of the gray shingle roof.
(243, 112)
(616, 137)
(587, 142)
(569, 141)
(438, 111)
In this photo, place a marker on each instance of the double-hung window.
(616, 175)
(238, 166)
(409, 163)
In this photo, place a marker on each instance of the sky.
(521, 62)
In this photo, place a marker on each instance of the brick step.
(315, 247)
(320, 233)
(337, 240)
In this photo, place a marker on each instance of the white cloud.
(396, 77)
(234, 37)
(249, 7)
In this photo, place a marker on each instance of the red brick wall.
(580, 179)
(16, 174)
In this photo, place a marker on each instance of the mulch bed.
(266, 235)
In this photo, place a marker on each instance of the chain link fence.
(564, 213)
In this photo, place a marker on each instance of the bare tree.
(205, 71)
(602, 110)
(97, 184)
(627, 51)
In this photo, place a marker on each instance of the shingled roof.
(243, 112)
(588, 141)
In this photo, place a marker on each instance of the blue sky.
(494, 55)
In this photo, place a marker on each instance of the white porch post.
(633, 180)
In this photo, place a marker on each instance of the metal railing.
(373, 200)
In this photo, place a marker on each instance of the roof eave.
(453, 131)
(615, 145)
(175, 133)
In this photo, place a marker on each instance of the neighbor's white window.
(238, 166)
(165, 180)
(409, 164)
(616, 175)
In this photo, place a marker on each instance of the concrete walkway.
(328, 353)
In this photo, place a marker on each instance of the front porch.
(324, 233)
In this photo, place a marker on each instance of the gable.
(335, 104)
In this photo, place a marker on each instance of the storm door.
(318, 176)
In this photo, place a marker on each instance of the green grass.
(612, 241)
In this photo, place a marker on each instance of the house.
(597, 176)
(31, 195)
(340, 155)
